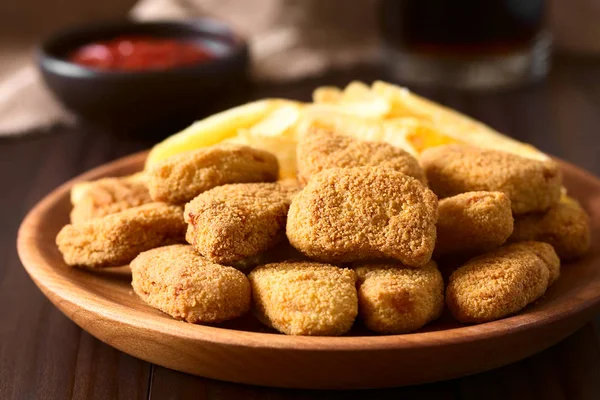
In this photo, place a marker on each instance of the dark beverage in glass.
(465, 43)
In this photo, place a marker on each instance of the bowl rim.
(202, 26)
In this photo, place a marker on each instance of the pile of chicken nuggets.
(368, 231)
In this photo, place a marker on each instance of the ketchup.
(137, 53)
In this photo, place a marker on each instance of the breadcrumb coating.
(107, 196)
(399, 299)
(320, 149)
(305, 298)
(353, 214)
(566, 226)
(531, 185)
(472, 223)
(81, 189)
(118, 238)
(546, 253)
(180, 282)
(499, 283)
(233, 222)
(182, 177)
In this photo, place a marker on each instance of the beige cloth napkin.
(288, 39)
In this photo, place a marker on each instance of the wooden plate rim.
(30, 253)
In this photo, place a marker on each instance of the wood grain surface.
(44, 355)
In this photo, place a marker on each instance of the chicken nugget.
(531, 185)
(546, 253)
(182, 177)
(320, 149)
(501, 282)
(118, 238)
(304, 298)
(180, 282)
(233, 222)
(399, 299)
(81, 189)
(566, 226)
(107, 196)
(353, 214)
(472, 223)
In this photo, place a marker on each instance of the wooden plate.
(243, 351)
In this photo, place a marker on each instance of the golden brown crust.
(81, 189)
(352, 214)
(320, 149)
(304, 298)
(182, 177)
(233, 222)
(566, 226)
(399, 299)
(546, 253)
(118, 238)
(531, 185)
(183, 284)
(472, 223)
(499, 283)
(108, 196)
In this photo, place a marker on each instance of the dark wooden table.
(43, 355)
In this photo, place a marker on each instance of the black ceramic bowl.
(153, 101)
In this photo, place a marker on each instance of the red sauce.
(136, 53)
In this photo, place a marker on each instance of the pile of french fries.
(380, 112)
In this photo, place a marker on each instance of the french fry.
(283, 147)
(279, 122)
(451, 123)
(380, 112)
(341, 121)
(213, 129)
(326, 95)
(420, 135)
(360, 100)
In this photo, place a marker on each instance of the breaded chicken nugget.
(304, 298)
(80, 190)
(183, 284)
(399, 299)
(500, 283)
(566, 226)
(182, 177)
(531, 185)
(472, 223)
(118, 238)
(320, 149)
(233, 222)
(353, 214)
(546, 253)
(107, 196)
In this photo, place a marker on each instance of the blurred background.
(464, 45)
